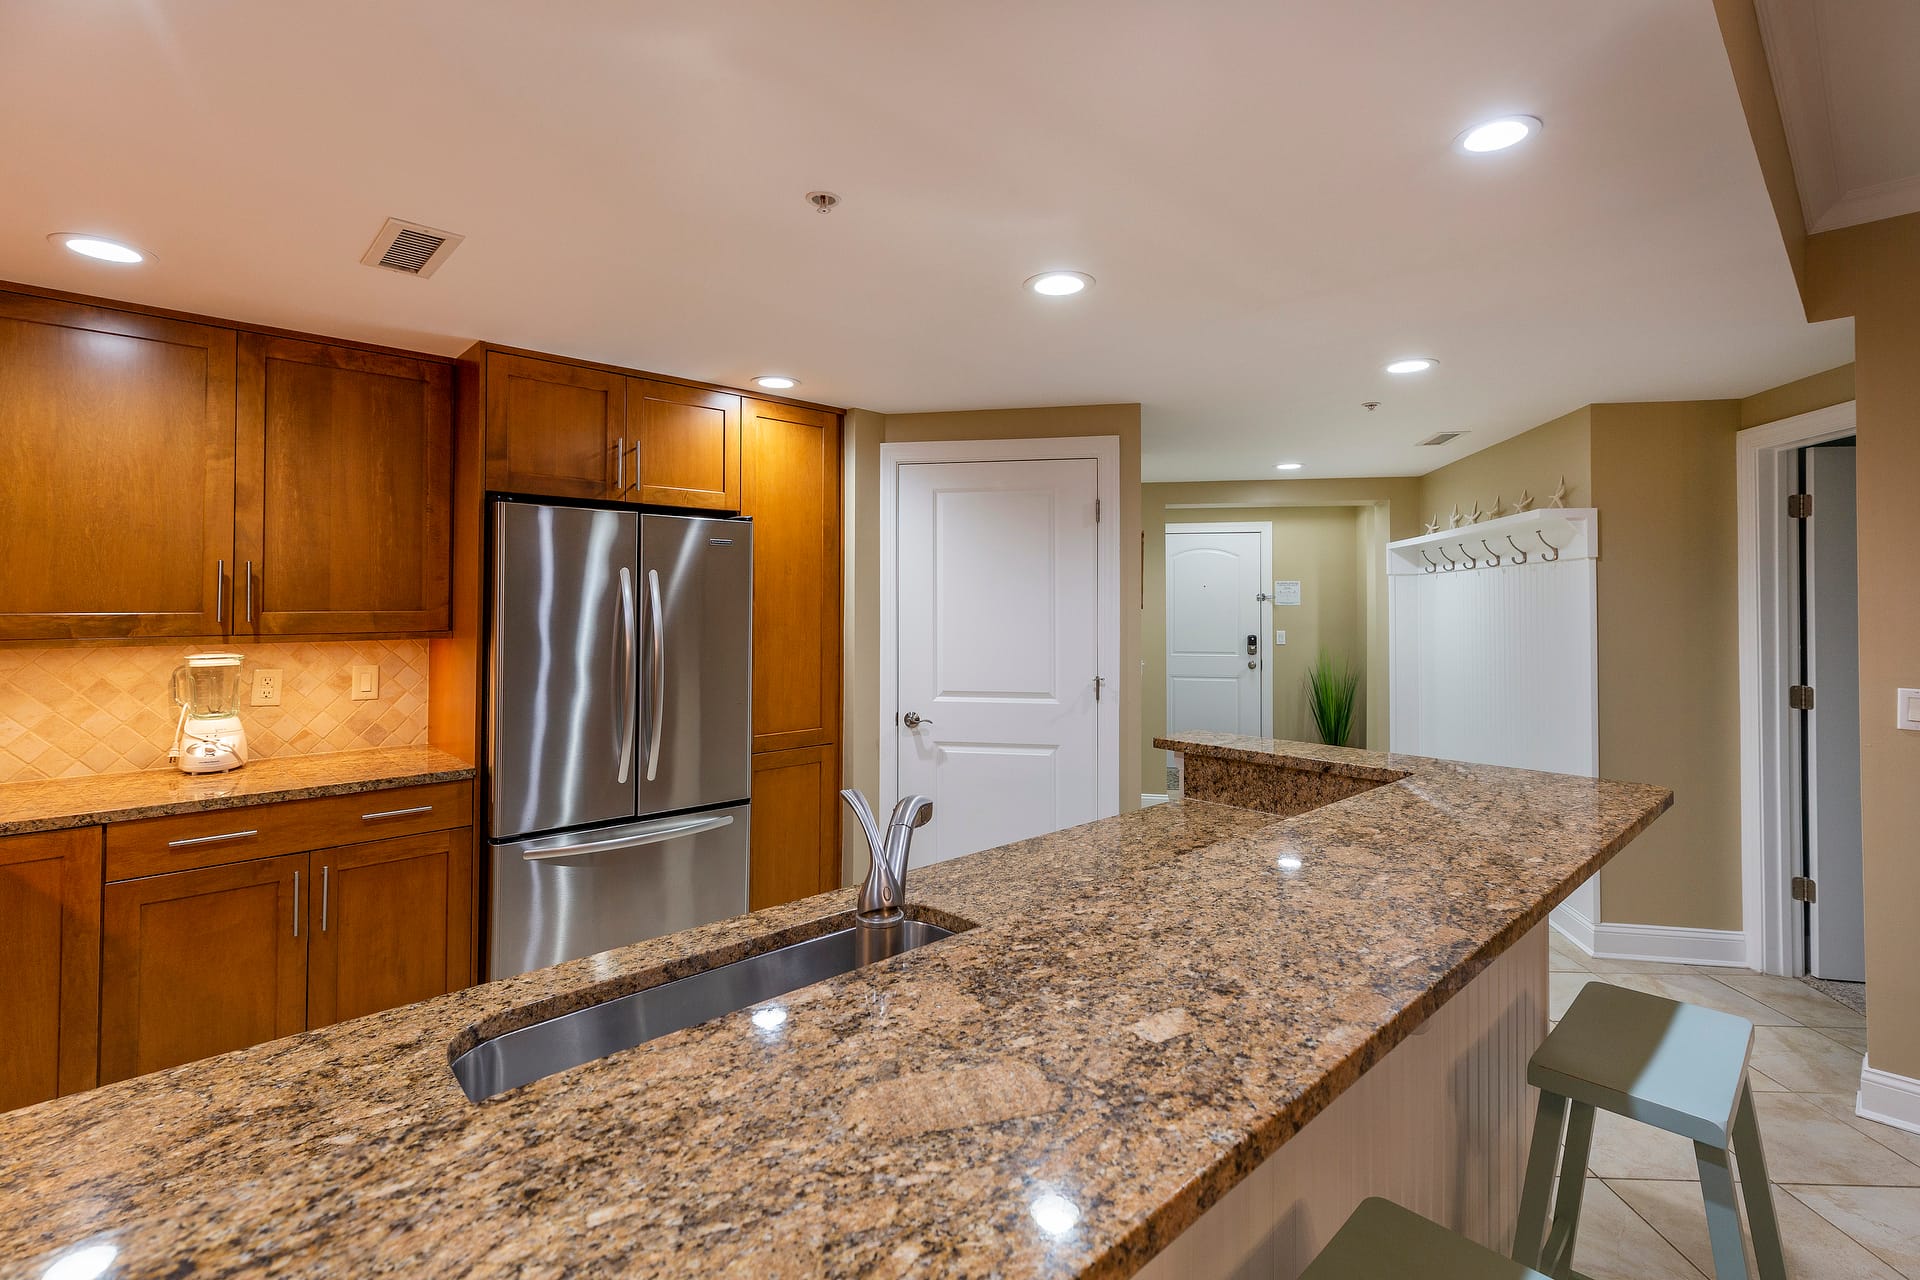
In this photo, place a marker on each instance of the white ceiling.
(1844, 73)
(1265, 190)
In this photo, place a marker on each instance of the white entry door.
(1836, 925)
(997, 586)
(1217, 674)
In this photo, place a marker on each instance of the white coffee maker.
(209, 738)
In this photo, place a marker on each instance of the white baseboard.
(1659, 943)
(1148, 799)
(1573, 925)
(1888, 1098)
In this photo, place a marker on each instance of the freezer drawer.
(564, 896)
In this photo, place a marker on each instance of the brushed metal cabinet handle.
(249, 591)
(620, 466)
(296, 904)
(220, 591)
(227, 835)
(323, 896)
(396, 813)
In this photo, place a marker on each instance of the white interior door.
(1216, 630)
(1836, 933)
(997, 586)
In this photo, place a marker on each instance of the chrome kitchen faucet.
(885, 889)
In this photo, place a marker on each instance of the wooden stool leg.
(1723, 1213)
(1752, 1160)
(1549, 1122)
(1557, 1258)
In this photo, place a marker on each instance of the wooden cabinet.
(685, 444)
(554, 429)
(791, 488)
(796, 829)
(393, 925)
(199, 962)
(342, 479)
(117, 448)
(50, 954)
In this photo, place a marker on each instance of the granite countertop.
(1149, 1006)
(58, 803)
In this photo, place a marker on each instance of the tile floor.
(1846, 1190)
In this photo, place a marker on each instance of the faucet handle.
(864, 812)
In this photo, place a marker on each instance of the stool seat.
(1382, 1241)
(1675, 1066)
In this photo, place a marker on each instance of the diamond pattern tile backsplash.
(72, 711)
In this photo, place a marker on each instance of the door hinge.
(1799, 506)
(1097, 682)
(1803, 889)
(1800, 697)
(1096, 511)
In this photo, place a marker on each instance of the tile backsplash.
(73, 711)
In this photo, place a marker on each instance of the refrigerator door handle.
(658, 665)
(630, 679)
(655, 835)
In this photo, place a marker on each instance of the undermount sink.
(571, 1039)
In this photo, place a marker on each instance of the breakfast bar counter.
(1138, 1013)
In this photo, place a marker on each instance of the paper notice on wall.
(1286, 592)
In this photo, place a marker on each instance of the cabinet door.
(199, 962)
(50, 954)
(686, 446)
(342, 481)
(116, 445)
(796, 825)
(554, 429)
(391, 924)
(791, 488)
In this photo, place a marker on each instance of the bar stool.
(1382, 1241)
(1675, 1066)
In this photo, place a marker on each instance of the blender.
(209, 738)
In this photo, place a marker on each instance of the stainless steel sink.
(532, 1053)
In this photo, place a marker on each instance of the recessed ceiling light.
(1058, 284)
(1287, 466)
(1412, 364)
(1497, 135)
(776, 382)
(95, 247)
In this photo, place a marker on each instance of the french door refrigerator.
(618, 731)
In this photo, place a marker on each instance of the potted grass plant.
(1331, 691)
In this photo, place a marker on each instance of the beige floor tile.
(1615, 1243)
(1625, 1148)
(1764, 1083)
(1806, 1143)
(1565, 956)
(1697, 988)
(1854, 1038)
(1561, 989)
(1884, 1219)
(1815, 1249)
(1804, 1060)
(1841, 1107)
(1600, 964)
(1792, 997)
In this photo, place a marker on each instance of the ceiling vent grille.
(1442, 437)
(410, 247)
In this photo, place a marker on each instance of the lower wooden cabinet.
(50, 956)
(796, 828)
(393, 925)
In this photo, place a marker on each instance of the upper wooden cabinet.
(50, 953)
(342, 479)
(554, 429)
(791, 487)
(116, 448)
(685, 444)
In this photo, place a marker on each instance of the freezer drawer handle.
(396, 813)
(659, 671)
(698, 826)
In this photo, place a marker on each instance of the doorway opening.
(1219, 595)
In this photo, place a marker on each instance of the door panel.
(685, 445)
(998, 646)
(1837, 920)
(116, 442)
(554, 429)
(50, 952)
(345, 468)
(566, 701)
(391, 925)
(1214, 579)
(200, 962)
(796, 829)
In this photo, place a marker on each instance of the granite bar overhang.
(1146, 1007)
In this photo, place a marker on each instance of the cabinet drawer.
(159, 845)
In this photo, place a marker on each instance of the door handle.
(698, 826)
(659, 667)
(630, 678)
(913, 720)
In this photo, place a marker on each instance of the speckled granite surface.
(1148, 1006)
(55, 804)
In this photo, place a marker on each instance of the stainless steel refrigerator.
(619, 727)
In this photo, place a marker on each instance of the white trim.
(1769, 791)
(1888, 1098)
(1104, 452)
(1265, 529)
(1148, 799)
(1726, 948)
(1572, 924)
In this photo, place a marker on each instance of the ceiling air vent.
(410, 247)
(1443, 437)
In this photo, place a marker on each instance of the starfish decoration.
(1476, 515)
(1453, 521)
(1493, 512)
(1525, 503)
(1433, 525)
(1558, 498)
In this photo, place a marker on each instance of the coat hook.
(1452, 564)
(1548, 545)
(1519, 556)
(1492, 559)
(1431, 566)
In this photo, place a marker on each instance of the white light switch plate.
(1907, 715)
(266, 687)
(1279, 637)
(366, 683)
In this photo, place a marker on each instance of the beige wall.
(1804, 395)
(1872, 272)
(1753, 79)
(1318, 546)
(866, 432)
(1533, 462)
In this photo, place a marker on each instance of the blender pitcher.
(209, 738)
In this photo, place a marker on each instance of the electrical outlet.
(366, 683)
(266, 687)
